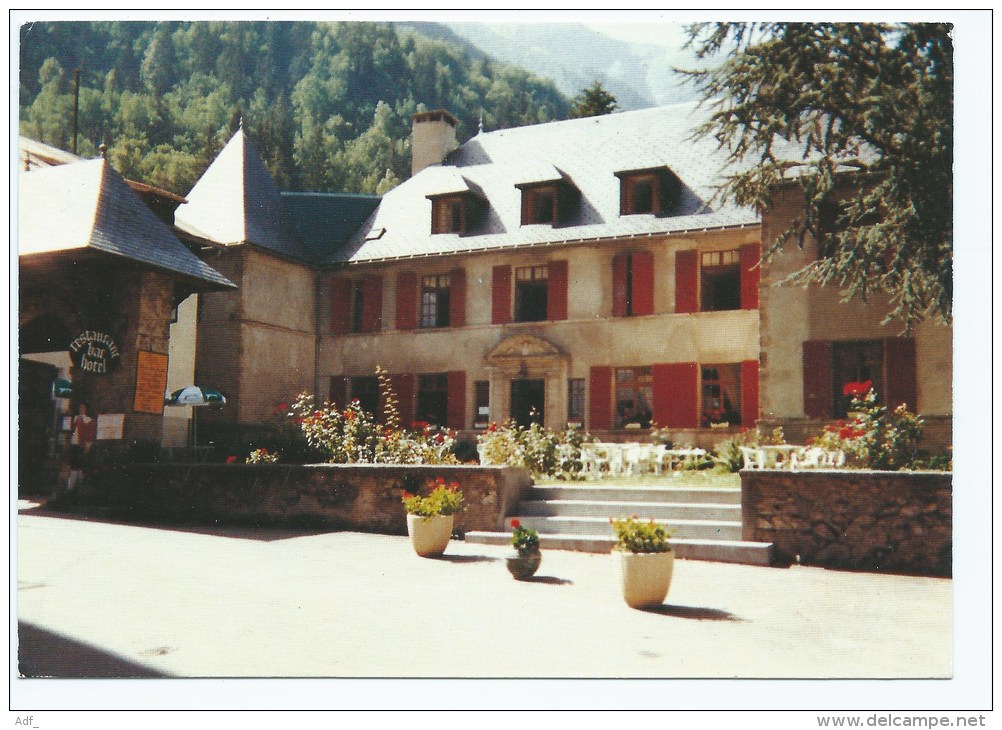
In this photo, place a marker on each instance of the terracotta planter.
(523, 566)
(645, 577)
(429, 535)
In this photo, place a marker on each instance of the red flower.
(407, 495)
(439, 438)
(349, 415)
(440, 481)
(454, 486)
(493, 427)
(231, 459)
(515, 524)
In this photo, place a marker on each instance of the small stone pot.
(523, 566)
(430, 535)
(645, 577)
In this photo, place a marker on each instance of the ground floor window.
(432, 399)
(482, 403)
(721, 394)
(855, 362)
(366, 392)
(634, 396)
(576, 401)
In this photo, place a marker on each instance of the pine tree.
(593, 102)
(863, 113)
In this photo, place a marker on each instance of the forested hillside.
(328, 105)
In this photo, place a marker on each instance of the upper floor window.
(435, 300)
(720, 280)
(652, 191)
(456, 213)
(539, 205)
(531, 293)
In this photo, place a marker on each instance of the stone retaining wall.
(893, 521)
(364, 497)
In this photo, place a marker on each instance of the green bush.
(543, 451)
(633, 536)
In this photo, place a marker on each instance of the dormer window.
(652, 192)
(551, 202)
(456, 213)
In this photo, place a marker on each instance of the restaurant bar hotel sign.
(94, 352)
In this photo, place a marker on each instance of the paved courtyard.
(104, 599)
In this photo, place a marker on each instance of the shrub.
(877, 438)
(262, 456)
(633, 536)
(543, 451)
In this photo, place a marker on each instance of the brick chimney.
(432, 138)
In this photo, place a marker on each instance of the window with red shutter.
(456, 409)
(750, 275)
(686, 281)
(556, 298)
(642, 283)
(899, 364)
(457, 298)
(372, 303)
(675, 392)
(406, 300)
(600, 398)
(749, 393)
(501, 295)
(817, 367)
(341, 291)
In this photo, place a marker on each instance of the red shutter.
(556, 290)
(620, 265)
(643, 283)
(340, 304)
(686, 281)
(900, 380)
(456, 403)
(674, 390)
(817, 364)
(372, 303)
(406, 300)
(749, 393)
(403, 388)
(338, 392)
(750, 274)
(501, 295)
(600, 399)
(457, 297)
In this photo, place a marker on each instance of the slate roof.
(87, 205)
(586, 152)
(236, 202)
(323, 222)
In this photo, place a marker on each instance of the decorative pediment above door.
(523, 347)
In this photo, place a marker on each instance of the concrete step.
(658, 510)
(726, 551)
(628, 493)
(691, 529)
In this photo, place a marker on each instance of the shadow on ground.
(693, 612)
(549, 580)
(42, 653)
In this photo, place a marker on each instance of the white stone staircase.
(705, 522)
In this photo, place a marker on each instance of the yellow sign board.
(151, 382)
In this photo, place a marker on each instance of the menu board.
(110, 426)
(151, 382)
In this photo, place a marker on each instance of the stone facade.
(364, 497)
(869, 520)
(792, 315)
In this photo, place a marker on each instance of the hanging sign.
(95, 352)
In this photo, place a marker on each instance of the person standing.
(83, 433)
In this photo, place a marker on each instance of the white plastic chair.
(753, 458)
